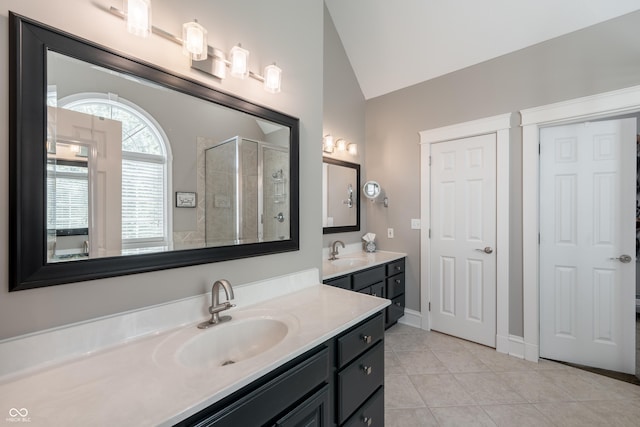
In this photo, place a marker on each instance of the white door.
(587, 244)
(104, 137)
(463, 235)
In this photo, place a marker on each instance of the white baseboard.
(411, 318)
(516, 346)
(502, 344)
(531, 352)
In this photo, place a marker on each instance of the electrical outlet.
(415, 224)
(390, 233)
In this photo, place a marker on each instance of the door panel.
(104, 139)
(587, 198)
(463, 223)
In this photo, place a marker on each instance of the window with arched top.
(146, 157)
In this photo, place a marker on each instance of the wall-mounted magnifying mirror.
(372, 191)
(340, 196)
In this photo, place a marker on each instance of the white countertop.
(142, 383)
(369, 259)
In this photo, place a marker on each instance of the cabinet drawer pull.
(399, 304)
(366, 369)
(398, 268)
(367, 420)
(397, 281)
(366, 338)
(374, 294)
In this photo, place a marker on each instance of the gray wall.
(344, 115)
(597, 59)
(272, 32)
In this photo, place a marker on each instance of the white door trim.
(500, 125)
(606, 104)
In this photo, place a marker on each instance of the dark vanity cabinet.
(360, 375)
(385, 281)
(338, 383)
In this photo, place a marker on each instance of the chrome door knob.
(625, 259)
(487, 250)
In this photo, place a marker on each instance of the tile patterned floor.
(432, 379)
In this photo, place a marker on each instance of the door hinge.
(539, 148)
(429, 160)
(538, 238)
(429, 233)
(429, 305)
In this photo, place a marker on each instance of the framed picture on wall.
(185, 199)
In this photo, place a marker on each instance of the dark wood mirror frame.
(28, 267)
(356, 226)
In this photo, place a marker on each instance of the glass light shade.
(194, 41)
(352, 149)
(138, 17)
(239, 58)
(328, 144)
(272, 78)
(341, 144)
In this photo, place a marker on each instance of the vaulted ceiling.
(392, 44)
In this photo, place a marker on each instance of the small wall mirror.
(340, 196)
(371, 189)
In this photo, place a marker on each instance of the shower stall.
(246, 192)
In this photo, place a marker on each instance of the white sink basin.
(231, 342)
(349, 262)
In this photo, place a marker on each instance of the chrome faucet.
(334, 249)
(216, 307)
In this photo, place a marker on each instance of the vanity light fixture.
(328, 144)
(239, 58)
(194, 40)
(138, 16)
(272, 78)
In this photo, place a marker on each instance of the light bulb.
(272, 78)
(328, 144)
(239, 58)
(138, 17)
(194, 41)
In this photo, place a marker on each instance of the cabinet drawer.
(395, 267)
(377, 290)
(396, 310)
(368, 277)
(395, 286)
(359, 340)
(371, 414)
(359, 380)
(343, 282)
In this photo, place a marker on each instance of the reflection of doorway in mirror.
(96, 138)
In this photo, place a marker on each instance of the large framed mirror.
(118, 166)
(340, 196)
